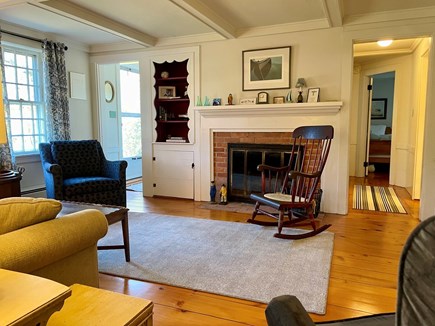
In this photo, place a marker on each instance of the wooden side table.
(29, 300)
(10, 184)
(113, 214)
(90, 306)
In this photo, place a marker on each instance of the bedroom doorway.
(379, 135)
(407, 60)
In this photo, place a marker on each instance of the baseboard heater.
(32, 191)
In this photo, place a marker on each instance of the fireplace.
(243, 159)
(215, 127)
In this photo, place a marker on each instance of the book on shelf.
(176, 140)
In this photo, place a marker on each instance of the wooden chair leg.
(280, 221)
(254, 213)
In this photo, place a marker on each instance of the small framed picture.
(167, 92)
(279, 100)
(217, 101)
(379, 108)
(246, 101)
(263, 98)
(313, 95)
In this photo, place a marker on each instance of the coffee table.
(28, 299)
(113, 214)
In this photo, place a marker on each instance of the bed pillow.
(19, 212)
(378, 129)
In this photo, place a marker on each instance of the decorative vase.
(198, 101)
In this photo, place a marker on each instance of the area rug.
(234, 259)
(237, 207)
(382, 199)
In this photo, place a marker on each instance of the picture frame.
(217, 101)
(313, 95)
(266, 68)
(263, 98)
(279, 100)
(248, 101)
(379, 108)
(166, 92)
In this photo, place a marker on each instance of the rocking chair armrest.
(296, 174)
(264, 168)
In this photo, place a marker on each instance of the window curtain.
(56, 91)
(7, 161)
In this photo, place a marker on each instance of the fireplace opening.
(243, 159)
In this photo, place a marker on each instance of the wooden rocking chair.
(290, 190)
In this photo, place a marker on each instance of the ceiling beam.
(333, 10)
(90, 18)
(203, 13)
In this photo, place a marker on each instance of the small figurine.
(230, 99)
(223, 195)
(212, 192)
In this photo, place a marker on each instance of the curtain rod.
(26, 37)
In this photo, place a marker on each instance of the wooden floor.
(363, 276)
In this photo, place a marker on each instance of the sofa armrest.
(33, 247)
(115, 169)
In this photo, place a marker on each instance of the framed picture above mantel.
(266, 69)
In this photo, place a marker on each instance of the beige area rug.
(228, 258)
(237, 207)
(382, 199)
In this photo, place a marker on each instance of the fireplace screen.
(243, 159)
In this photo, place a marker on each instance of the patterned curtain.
(56, 91)
(7, 160)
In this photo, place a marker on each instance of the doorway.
(379, 137)
(120, 115)
(405, 59)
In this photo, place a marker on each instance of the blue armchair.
(77, 170)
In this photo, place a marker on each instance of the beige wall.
(221, 63)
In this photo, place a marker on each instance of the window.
(26, 105)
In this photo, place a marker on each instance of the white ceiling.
(159, 22)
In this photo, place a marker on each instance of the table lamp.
(300, 83)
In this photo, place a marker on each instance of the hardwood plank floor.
(363, 278)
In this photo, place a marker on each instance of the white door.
(119, 115)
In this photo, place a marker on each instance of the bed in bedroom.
(380, 144)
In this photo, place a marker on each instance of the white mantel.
(265, 118)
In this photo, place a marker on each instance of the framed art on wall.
(379, 108)
(266, 68)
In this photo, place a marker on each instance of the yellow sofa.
(34, 241)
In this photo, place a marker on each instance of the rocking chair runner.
(290, 190)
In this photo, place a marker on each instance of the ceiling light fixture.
(385, 43)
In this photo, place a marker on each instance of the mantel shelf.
(319, 108)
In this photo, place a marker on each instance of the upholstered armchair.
(77, 170)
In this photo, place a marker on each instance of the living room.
(323, 56)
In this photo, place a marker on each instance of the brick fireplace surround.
(220, 148)
(266, 123)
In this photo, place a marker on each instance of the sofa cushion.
(89, 185)
(19, 212)
(77, 157)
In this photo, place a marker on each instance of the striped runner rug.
(383, 199)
